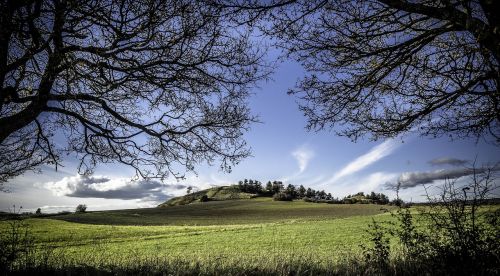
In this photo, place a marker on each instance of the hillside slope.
(212, 194)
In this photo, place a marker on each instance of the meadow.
(255, 236)
(258, 236)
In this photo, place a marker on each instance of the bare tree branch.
(157, 85)
(385, 67)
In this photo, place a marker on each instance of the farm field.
(204, 238)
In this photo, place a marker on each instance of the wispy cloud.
(303, 155)
(376, 153)
(108, 188)
(448, 161)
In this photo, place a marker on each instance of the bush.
(16, 243)
(377, 256)
(81, 208)
(397, 202)
(204, 198)
(282, 197)
(453, 234)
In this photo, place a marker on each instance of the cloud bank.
(303, 155)
(107, 188)
(376, 153)
(413, 179)
(448, 161)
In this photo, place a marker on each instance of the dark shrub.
(81, 208)
(282, 197)
(204, 198)
(16, 244)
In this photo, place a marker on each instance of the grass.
(234, 237)
(243, 211)
(215, 237)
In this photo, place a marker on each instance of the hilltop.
(211, 194)
(248, 189)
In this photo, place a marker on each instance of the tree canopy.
(385, 67)
(156, 85)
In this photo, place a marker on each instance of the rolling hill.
(212, 194)
(225, 212)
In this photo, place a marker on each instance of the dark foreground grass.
(267, 265)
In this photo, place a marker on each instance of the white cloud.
(303, 155)
(117, 188)
(376, 153)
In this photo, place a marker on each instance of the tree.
(38, 211)
(277, 186)
(156, 85)
(189, 189)
(282, 196)
(290, 189)
(269, 186)
(258, 187)
(302, 191)
(385, 67)
(81, 208)
(310, 193)
(329, 196)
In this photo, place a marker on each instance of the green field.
(211, 236)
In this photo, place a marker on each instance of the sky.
(282, 149)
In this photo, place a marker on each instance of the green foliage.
(277, 186)
(362, 198)
(204, 198)
(282, 196)
(301, 191)
(329, 200)
(250, 186)
(16, 244)
(81, 208)
(377, 255)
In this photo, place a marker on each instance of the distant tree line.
(280, 192)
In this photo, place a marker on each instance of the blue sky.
(282, 149)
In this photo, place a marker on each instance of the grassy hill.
(215, 193)
(224, 205)
(225, 212)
